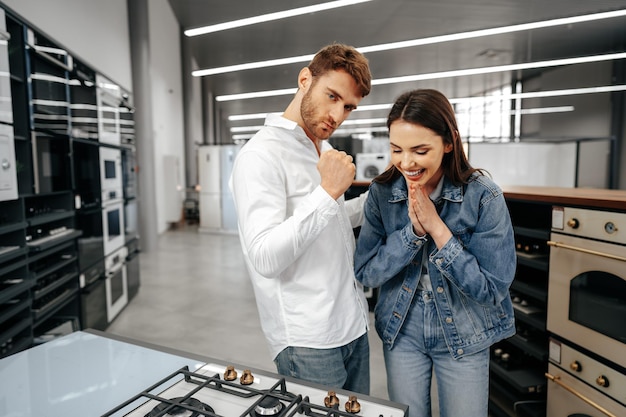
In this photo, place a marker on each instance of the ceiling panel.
(383, 21)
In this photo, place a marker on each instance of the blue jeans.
(462, 385)
(345, 367)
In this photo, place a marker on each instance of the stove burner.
(181, 410)
(268, 406)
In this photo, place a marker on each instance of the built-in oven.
(113, 226)
(133, 268)
(8, 173)
(116, 283)
(109, 99)
(580, 386)
(51, 163)
(86, 166)
(48, 81)
(91, 242)
(110, 173)
(129, 172)
(6, 107)
(83, 102)
(93, 297)
(587, 305)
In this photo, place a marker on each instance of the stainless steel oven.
(581, 386)
(116, 283)
(110, 173)
(49, 86)
(109, 99)
(587, 307)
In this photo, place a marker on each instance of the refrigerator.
(216, 206)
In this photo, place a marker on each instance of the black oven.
(51, 163)
(83, 103)
(91, 242)
(49, 68)
(93, 298)
(86, 161)
(129, 172)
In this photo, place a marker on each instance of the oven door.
(109, 99)
(8, 173)
(110, 173)
(93, 298)
(586, 293)
(116, 283)
(570, 397)
(113, 226)
(51, 163)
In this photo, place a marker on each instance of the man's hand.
(337, 172)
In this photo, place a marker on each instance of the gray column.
(138, 21)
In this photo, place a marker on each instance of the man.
(296, 229)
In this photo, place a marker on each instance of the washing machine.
(370, 165)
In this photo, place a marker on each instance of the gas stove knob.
(247, 378)
(610, 228)
(230, 374)
(602, 381)
(353, 406)
(576, 366)
(573, 223)
(331, 400)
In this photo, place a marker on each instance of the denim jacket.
(470, 276)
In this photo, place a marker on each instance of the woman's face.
(417, 152)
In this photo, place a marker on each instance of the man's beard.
(307, 112)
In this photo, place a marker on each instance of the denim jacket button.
(439, 290)
(448, 320)
(439, 261)
(459, 351)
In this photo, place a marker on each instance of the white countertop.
(82, 374)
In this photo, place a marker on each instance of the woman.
(438, 241)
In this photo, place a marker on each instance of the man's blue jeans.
(344, 367)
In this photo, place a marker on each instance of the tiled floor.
(196, 296)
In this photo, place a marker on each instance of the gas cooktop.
(216, 390)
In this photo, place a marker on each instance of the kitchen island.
(85, 373)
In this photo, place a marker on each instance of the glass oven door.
(113, 226)
(116, 283)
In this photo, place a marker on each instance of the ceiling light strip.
(443, 74)
(499, 68)
(271, 16)
(423, 41)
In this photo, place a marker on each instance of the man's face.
(328, 101)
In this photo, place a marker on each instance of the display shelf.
(533, 291)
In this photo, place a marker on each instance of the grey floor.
(196, 296)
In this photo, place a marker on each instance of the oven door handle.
(588, 251)
(557, 380)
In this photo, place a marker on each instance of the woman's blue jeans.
(346, 367)
(462, 385)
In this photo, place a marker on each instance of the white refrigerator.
(217, 209)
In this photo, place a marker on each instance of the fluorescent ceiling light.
(543, 110)
(533, 94)
(420, 42)
(271, 16)
(443, 74)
